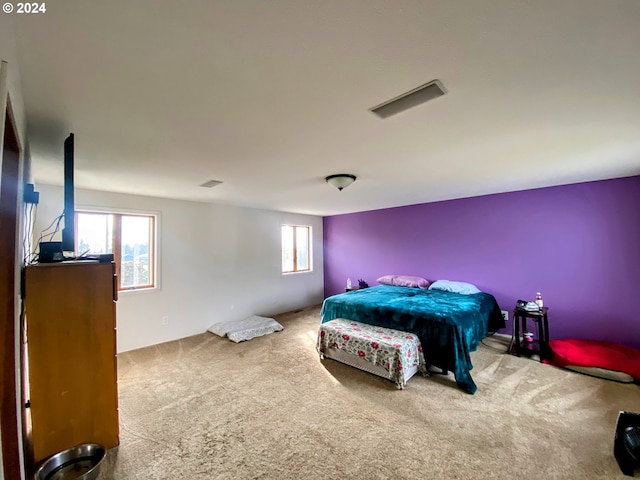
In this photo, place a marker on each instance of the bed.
(449, 325)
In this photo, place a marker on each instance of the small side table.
(540, 345)
(355, 288)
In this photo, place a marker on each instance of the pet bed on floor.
(250, 327)
(599, 359)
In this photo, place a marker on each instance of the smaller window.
(296, 248)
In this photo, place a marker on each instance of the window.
(129, 237)
(296, 249)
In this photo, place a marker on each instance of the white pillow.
(250, 327)
(455, 287)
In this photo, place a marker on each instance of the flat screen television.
(68, 232)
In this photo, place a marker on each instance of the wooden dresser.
(70, 314)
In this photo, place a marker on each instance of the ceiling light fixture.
(211, 184)
(341, 180)
(415, 97)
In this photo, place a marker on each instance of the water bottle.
(348, 283)
(539, 301)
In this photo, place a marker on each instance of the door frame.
(11, 192)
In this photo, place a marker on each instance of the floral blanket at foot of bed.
(392, 350)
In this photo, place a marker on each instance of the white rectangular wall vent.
(211, 183)
(413, 98)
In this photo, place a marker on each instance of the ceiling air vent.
(211, 183)
(417, 96)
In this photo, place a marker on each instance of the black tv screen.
(68, 232)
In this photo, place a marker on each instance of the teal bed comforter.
(449, 325)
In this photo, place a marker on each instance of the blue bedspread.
(449, 325)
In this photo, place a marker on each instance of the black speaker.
(626, 444)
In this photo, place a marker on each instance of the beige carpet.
(207, 408)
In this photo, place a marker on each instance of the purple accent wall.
(577, 244)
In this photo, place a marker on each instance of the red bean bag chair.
(600, 357)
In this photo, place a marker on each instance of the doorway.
(9, 181)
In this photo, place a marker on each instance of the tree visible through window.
(129, 237)
(296, 248)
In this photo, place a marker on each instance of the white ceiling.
(272, 96)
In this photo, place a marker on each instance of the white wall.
(216, 263)
(8, 53)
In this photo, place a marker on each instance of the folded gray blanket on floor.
(250, 327)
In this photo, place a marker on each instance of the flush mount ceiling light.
(413, 98)
(211, 183)
(341, 180)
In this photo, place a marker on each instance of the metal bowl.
(81, 462)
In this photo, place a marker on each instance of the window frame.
(295, 249)
(117, 243)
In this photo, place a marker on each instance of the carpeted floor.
(207, 408)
